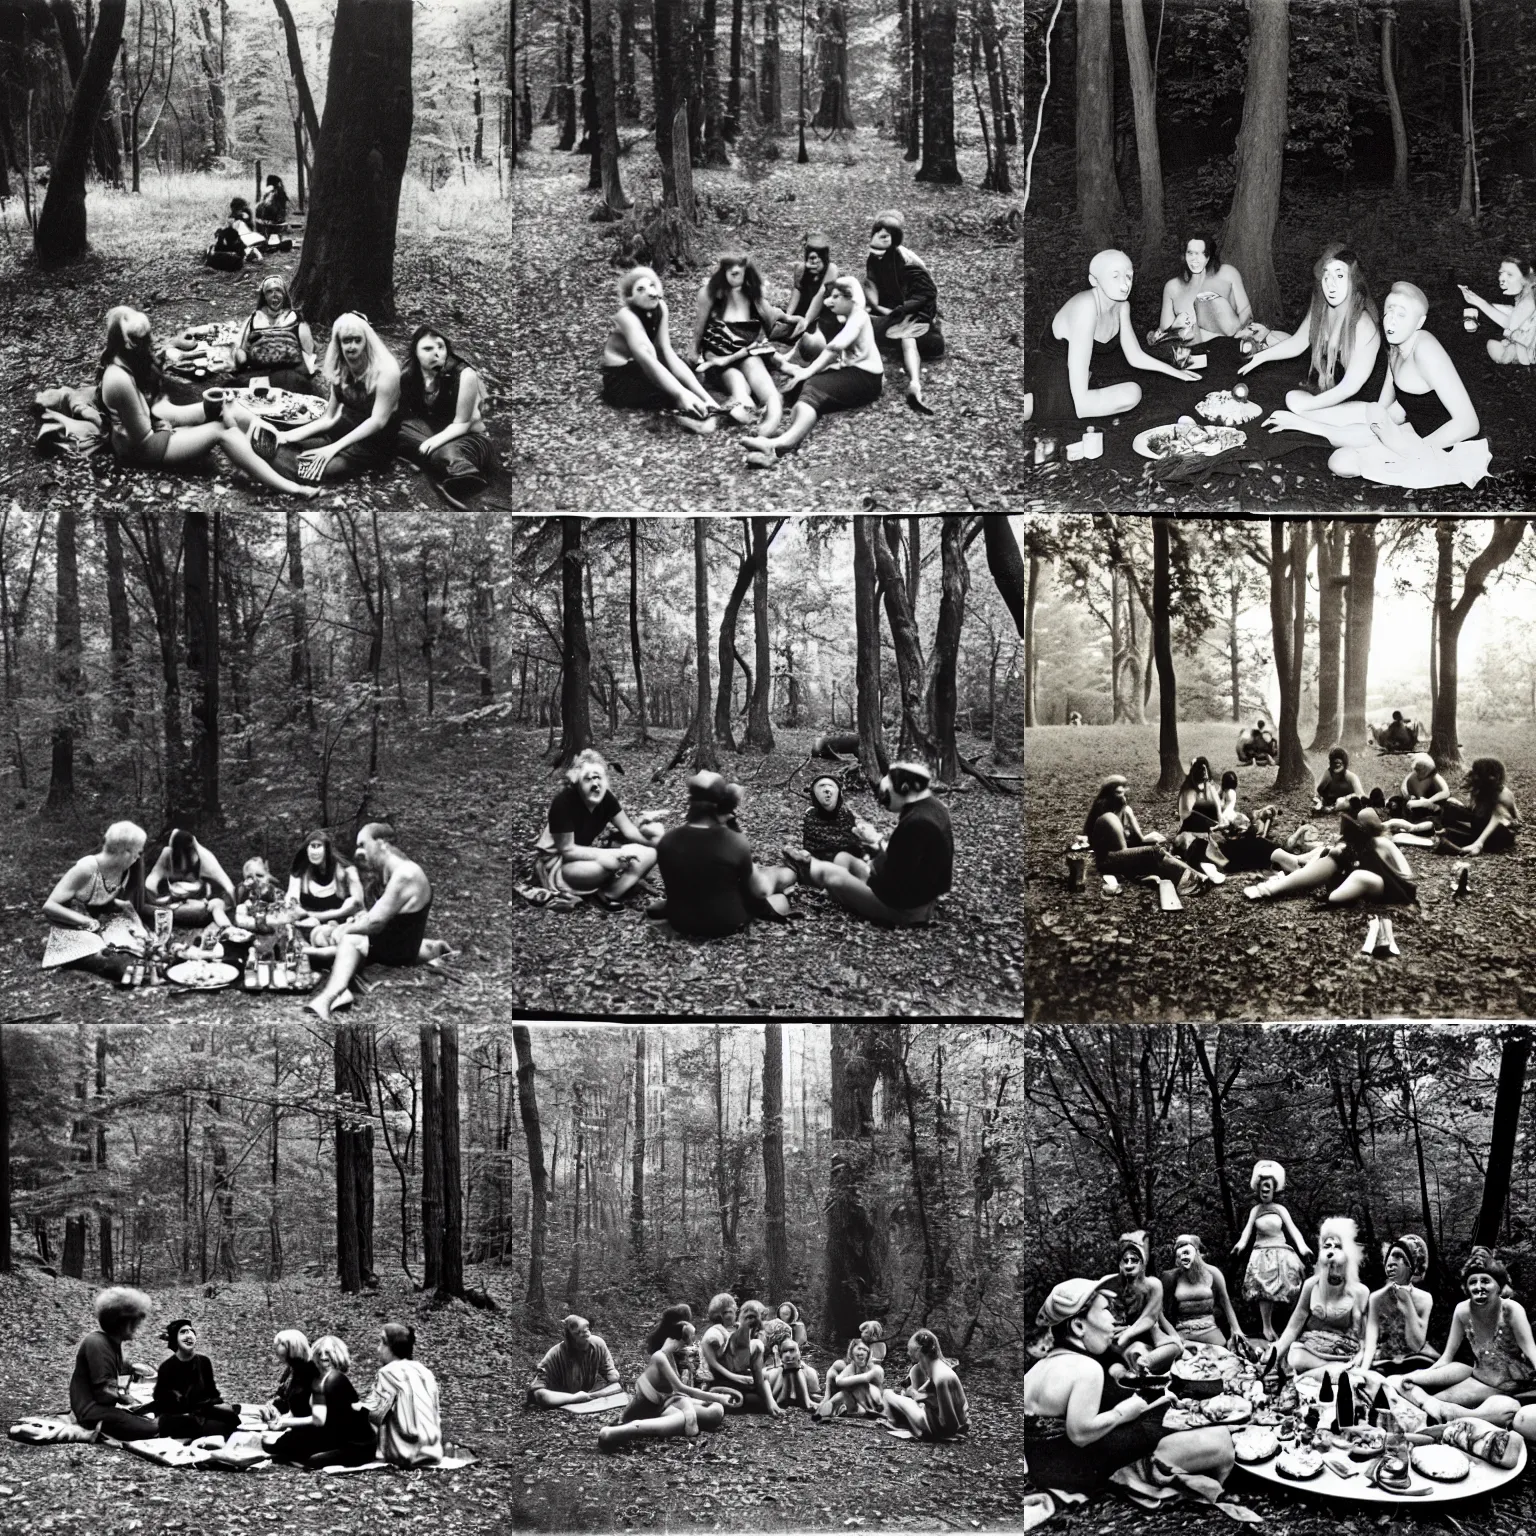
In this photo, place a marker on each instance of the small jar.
(1093, 443)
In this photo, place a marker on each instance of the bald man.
(1084, 331)
(578, 1369)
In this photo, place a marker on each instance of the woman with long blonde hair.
(1327, 1330)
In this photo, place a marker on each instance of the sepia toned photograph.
(1276, 256)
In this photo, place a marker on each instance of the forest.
(486, 1180)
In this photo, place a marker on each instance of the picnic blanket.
(457, 1458)
(66, 946)
(598, 1404)
(70, 421)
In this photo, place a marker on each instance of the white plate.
(206, 974)
(1219, 439)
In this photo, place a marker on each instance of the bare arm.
(1292, 1233)
(324, 423)
(74, 884)
(1130, 345)
(1293, 346)
(1253, 1210)
(1436, 366)
(1362, 359)
(464, 416)
(379, 915)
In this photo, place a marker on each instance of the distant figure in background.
(272, 210)
(1399, 736)
(1257, 746)
(1074, 718)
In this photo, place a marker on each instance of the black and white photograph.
(1278, 1275)
(484, 1278)
(1278, 255)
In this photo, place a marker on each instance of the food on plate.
(1226, 407)
(1188, 438)
(1443, 1463)
(1228, 1408)
(202, 973)
(1253, 1444)
(1192, 1367)
(1299, 1463)
(1362, 1441)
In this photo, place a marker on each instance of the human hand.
(1466, 292)
(1251, 364)
(312, 464)
(799, 329)
(795, 374)
(691, 405)
(1187, 374)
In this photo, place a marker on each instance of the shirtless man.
(392, 931)
(1206, 300)
(793, 1383)
(578, 1369)
(733, 1353)
(1424, 787)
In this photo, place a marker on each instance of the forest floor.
(535, 1471)
(1102, 958)
(468, 802)
(1441, 253)
(524, 284)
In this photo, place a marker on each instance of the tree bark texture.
(1170, 766)
(1149, 156)
(538, 1176)
(1100, 209)
(705, 755)
(68, 680)
(1360, 609)
(576, 676)
(1331, 581)
(854, 1252)
(939, 164)
(775, 1241)
(866, 604)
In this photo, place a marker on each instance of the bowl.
(1150, 1387)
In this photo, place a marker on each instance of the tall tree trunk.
(637, 1164)
(68, 679)
(714, 139)
(1248, 239)
(917, 77)
(705, 755)
(103, 1217)
(832, 110)
(1149, 156)
(450, 1275)
(348, 1246)
(5, 1160)
(538, 1178)
(770, 93)
(759, 714)
(670, 85)
(854, 1266)
(866, 608)
(1100, 209)
(296, 70)
(999, 179)
(725, 689)
(300, 664)
(1170, 765)
(1029, 640)
(199, 807)
(1331, 582)
(348, 256)
(1005, 560)
(1470, 208)
(606, 98)
(939, 163)
(944, 690)
(1394, 104)
(119, 625)
(1285, 590)
(432, 1188)
(733, 85)
(213, 72)
(1360, 609)
(642, 736)
(1514, 1058)
(907, 644)
(775, 1243)
(576, 658)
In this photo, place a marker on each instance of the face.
(858, 1356)
(186, 1339)
(1400, 318)
(1096, 1326)
(814, 264)
(789, 1356)
(431, 353)
(136, 330)
(1336, 765)
(1266, 1189)
(840, 302)
(272, 295)
(1481, 1288)
(354, 348)
(1195, 257)
(1130, 1264)
(1511, 279)
(1118, 796)
(646, 294)
(279, 1352)
(728, 1314)
(1115, 278)
(735, 274)
(913, 1352)
(1333, 1253)
(367, 851)
(1185, 1254)
(323, 1360)
(593, 782)
(1399, 1272)
(1335, 283)
(581, 1335)
(825, 792)
(316, 852)
(382, 1352)
(880, 239)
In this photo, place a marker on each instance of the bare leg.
(801, 420)
(740, 397)
(1029, 406)
(1357, 884)
(1307, 878)
(1112, 400)
(1217, 317)
(1198, 1450)
(351, 952)
(904, 1413)
(1267, 1316)
(644, 857)
(765, 392)
(914, 366)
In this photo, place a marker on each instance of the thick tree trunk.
(450, 1275)
(714, 138)
(1331, 582)
(119, 624)
(833, 111)
(725, 652)
(1287, 588)
(538, 1178)
(759, 721)
(642, 736)
(1360, 608)
(296, 70)
(939, 163)
(733, 84)
(854, 1259)
(67, 676)
(348, 256)
(576, 659)
(1394, 103)
(211, 60)
(432, 1216)
(637, 1163)
(1005, 560)
(1170, 765)
(999, 178)
(944, 690)
(606, 98)
(705, 755)
(348, 1247)
(866, 608)
(908, 646)
(1514, 1058)
(1248, 240)
(670, 83)
(1149, 156)
(199, 803)
(775, 1243)
(1100, 209)
(1029, 640)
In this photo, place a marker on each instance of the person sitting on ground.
(1366, 865)
(793, 1383)
(191, 882)
(1424, 787)
(576, 1370)
(1080, 1426)
(1091, 327)
(360, 427)
(1246, 842)
(1226, 800)
(664, 1403)
(1143, 1339)
(98, 1391)
(641, 371)
(276, 341)
(854, 1385)
(830, 830)
(1206, 300)
(842, 374)
(291, 1403)
(712, 885)
(1517, 282)
(235, 242)
(1274, 1273)
(323, 882)
(1399, 736)
(904, 304)
(259, 903)
(731, 325)
(912, 868)
(337, 1436)
(271, 214)
(1326, 1329)
(402, 1402)
(566, 856)
(1199, 799)
(103, 887)
(1397, 1316)
(1341, 784)
(1497, 1333)
(732, 1348)
(1122, 849)
(148, 431)
(932, 1405)
(1419, 431)
(814, 275)
(1192, 1292)
(1257, 745)
(1341, 331)
(391, 932)
(1492, 820)
(442, 427)
(186, 1395)
(789, 1313)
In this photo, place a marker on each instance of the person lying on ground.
(1259, 743)
(1143, 1340)
(1419, 431)
(392, 932)
(1206, 300)
(843, 374)
(1341, 331)
(909, 870)
(191, 882)
(793, 1383)
(1366, 865)
(732, 1349)
(1497, 1333)
(1490, 823)
(1274, 1273)
(1517, 282)
(276, 341)
(665, 1405)
(271, 212)
(98, 1387)
(576, 1370)
(442, 428)
(360, 427)
(1081, 1427)
(1088, 329)
(732, 322)
(337, 1436)
(102, 887)
(186, 1396)
(566, 856)
(789, 1313)
(1424, 787)
(713, 887)
(641, 371)
(402, 1402)
(323, 882)
(151, 433)
(291, 1402)
(1192, 1292)
(854, 1385)
(932, 1405)
(1246, 844)
(1397, 1316)
(1327, 1326)
(1340, 784)
(905, 307)
(814, 274)
(1122, 849)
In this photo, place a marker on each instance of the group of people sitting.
(247, 232)
(315, 1417)
(835, 332)
(1084, 1419)
(430, 411)
(748, 1362)
(323, 893)
(711, 883)
(1366, 863)
(1396, 415)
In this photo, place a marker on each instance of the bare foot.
(763, 460)
(320, 1007)
(758, 444)
(742, 412)
(695, 425)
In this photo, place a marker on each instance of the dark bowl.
(1150, 1387)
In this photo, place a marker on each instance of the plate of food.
(202, 974)
(1227, 1408)
(1441, 1463)
(1252, 1445)
(1229, 407)
(1301, 1463)
(1363, 1441)
(1187, 439)
(281, 407)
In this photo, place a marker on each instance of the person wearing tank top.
(323, 883)
(1325, 1329)
(1274, 1272)
(641, 369)
(1193, 1291)
(1397, 1317)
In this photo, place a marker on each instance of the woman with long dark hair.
(442, 426)
(189, 880)
(1122, 849)
(324, 882)
(731, 324)
(1489, 824)
(904, 304)
(665, 1405)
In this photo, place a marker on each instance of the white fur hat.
(1267, 1168)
